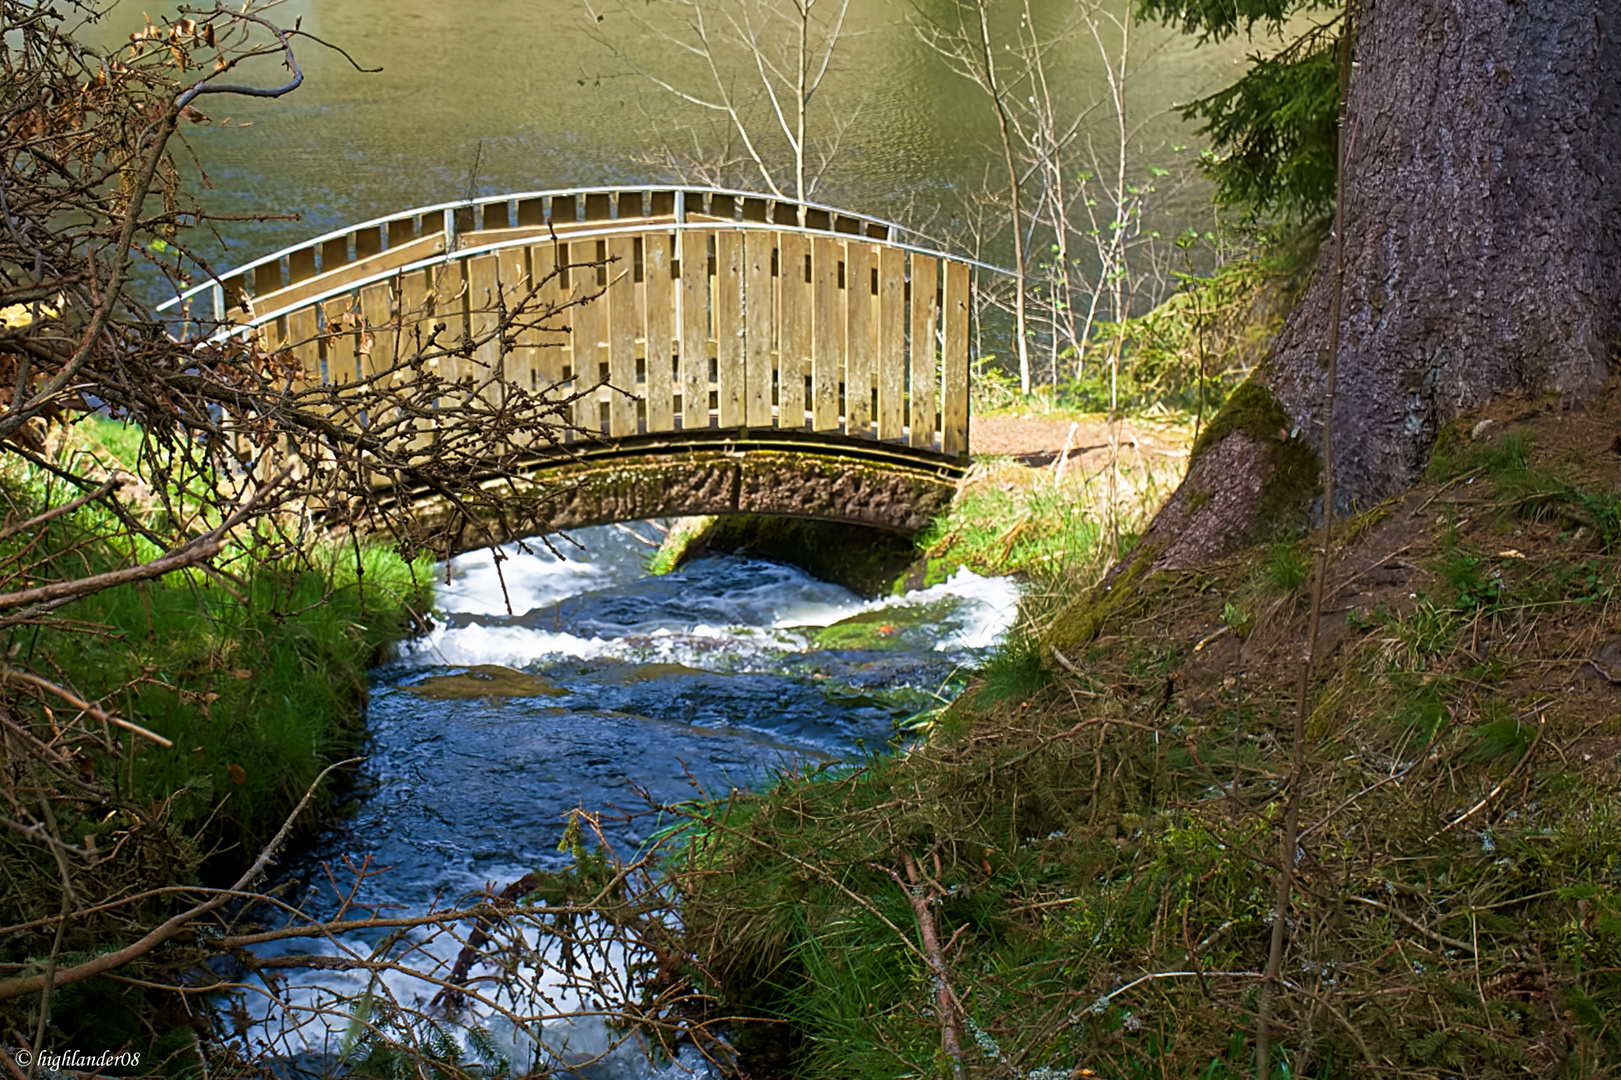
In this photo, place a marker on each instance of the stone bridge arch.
(810, 478)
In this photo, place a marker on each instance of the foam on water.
(530, 609)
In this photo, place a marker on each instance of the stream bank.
(1075, 873)
(255, 676)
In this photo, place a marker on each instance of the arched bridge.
(778, 357)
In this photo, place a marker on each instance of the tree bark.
(1482, 229)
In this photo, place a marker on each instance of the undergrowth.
(254, 671)
(1076, 869)
(1042, 530)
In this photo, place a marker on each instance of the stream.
(484, 734)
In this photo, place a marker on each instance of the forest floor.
(1091, 837)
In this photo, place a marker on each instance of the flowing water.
(602, 687)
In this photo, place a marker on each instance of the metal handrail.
(489, 200)
(467, 253)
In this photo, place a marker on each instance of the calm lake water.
(514, 95)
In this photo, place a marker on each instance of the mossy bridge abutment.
(710, 351)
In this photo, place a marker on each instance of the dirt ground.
(1037, 442)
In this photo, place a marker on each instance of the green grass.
(1285, 567)
(256, 673)
(257, 690)
(1075, 832)
(1063, 867)
(1042, 531)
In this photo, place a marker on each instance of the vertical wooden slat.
(339, 352)
(377, 343)
(376, 349)
(589, 322)
(550, 340)
(891, 343)
(301, 331)
(535, 363)
(659, 313)
(694, 329)
(450, 307)
(621, 336)
(954, 362)
(334, 253)
(266, 278)
(514, 275)
(757, 309)
(597, 206)
(483, 299)
(794, 329)
(728, 317)
(416, 321)
(343, 358)
(304, 326)
(306, 353)
(827, 333)
(925, 376)
(368, 242)
(300, 265)
(495, 215)
(858, 343)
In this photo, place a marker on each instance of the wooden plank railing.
(732, 319)
(359, 251)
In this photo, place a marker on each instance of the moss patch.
(1295, 475)
(1079, 621)
(485, 681)
(679, 542)
(908, 627)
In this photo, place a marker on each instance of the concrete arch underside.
(818, 478)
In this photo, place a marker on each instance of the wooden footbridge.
(741, 354)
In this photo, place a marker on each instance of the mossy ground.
(1097, 842)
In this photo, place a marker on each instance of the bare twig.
(33, 984)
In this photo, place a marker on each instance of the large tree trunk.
(1482, 246)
